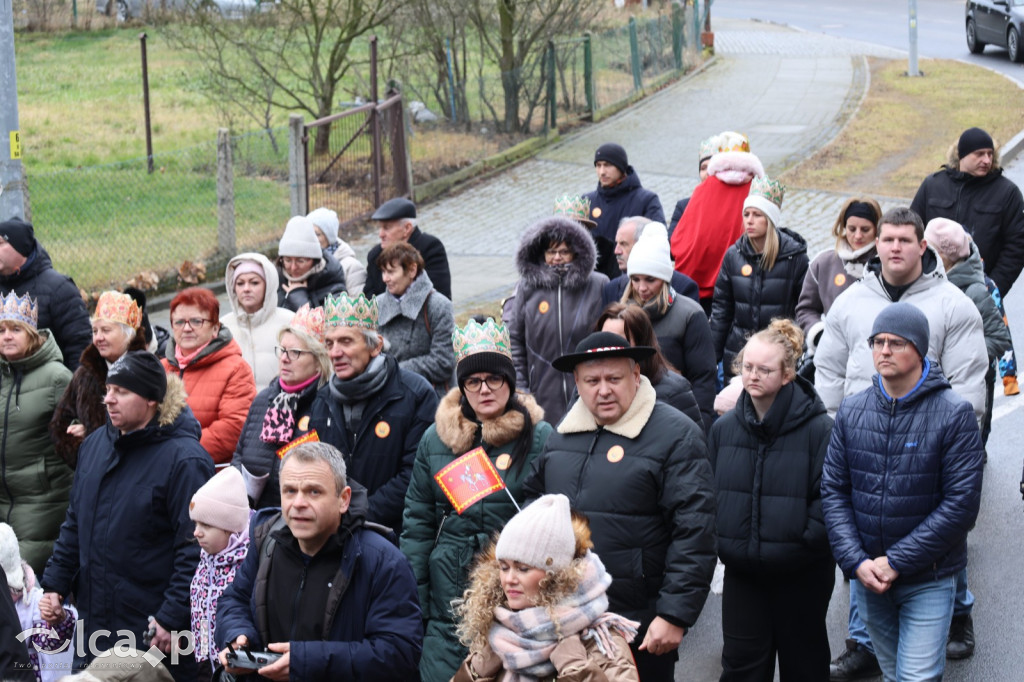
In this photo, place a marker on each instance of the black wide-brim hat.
(601, 345)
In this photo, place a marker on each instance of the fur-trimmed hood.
(458, 432)
(953, 160)
(580, 420)
(535, 273)
(174, 402)
(735, 168)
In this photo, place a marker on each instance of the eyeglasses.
(194, 322)
(562, 253)
(493, 381)
(759, 372)
(293, 353)
(895, 345)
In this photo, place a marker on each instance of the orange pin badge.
(746, 270)
(304, 423)
(382, 429)
(503, 461)
(840, 279)
(615, 453)
(544, 307)
(596, 212)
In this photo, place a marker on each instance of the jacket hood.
(458, 432)
(796, 404)
(630, 182)
(270, 276)
(932, 380)
(931, 266)
(223, 341)
(953, 164)
(343, 250)
(174, 402)
(969, 270)
(735, 168)
(535, 273)
(48, 352)
(411, 303)
(790, 244)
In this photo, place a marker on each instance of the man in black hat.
(619, 194)
(25, 268)
(640, 472)
(971, 190)
(398, 224)
(126, 546)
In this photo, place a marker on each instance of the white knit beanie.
(651, 254)
(327, 221)
(299, 240)
(222, 502)
(540, 536)
(10, 558)
(765, 206)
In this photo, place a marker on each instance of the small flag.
(310, 437)
(469, 479)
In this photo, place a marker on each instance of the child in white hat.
(221, 512)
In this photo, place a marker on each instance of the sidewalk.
(789, 91)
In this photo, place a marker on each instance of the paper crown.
(573, 206)
(312, 321)
(489, 337)
(20, 309)
(344, 311)
(708, 147)
(730, 141)
(765, 187)
(117, 307)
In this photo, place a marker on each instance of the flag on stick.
(469, 479)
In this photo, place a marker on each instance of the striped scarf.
(525, 639)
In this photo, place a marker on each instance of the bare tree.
(294, 57)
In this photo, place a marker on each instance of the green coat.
(441, 544)
(36, 482)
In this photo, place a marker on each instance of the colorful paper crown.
(344, 311)
(573, 206)
(708, 147)
(20, 309)
(312, 321)
(730, 141)
(489, 337)
(765, 187)
(117, 307)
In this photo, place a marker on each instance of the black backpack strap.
(263, 541)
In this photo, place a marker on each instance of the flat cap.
(395, 209)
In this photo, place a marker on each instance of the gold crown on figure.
(20, 309)
(313, 321)
(489, 337)
(117, 307)
(344, 311)
(731, 141)
(765, 187)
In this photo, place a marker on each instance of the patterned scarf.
(213, 574)
(525, 639)
(279, 420)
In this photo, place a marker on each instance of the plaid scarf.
(525, 639)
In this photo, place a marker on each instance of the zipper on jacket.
(561, 343)
(586, 463)
(440, 527)
(298, 597)
(885, 477)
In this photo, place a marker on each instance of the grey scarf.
(353, 394)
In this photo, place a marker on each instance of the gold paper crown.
(489, 337)
(117, 307)
(573, 206)
(20, 309)
(344, 311)
(730, 141)
(772, 190)
(313, 321)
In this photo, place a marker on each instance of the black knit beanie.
(972, 140)
(486, 361)
(141, 373)
(19, 235)
(614, 154)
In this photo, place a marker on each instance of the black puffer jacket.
(747, 298)
(903, 478)
(645, 484)
(768, 481)
(553, 310)
(330, 280)
(676, 391)
(61, 308)
(990, 208)
(609, 205)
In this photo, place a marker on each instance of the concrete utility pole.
(12, 189)
(912, 69)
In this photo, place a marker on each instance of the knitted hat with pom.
(540, 536)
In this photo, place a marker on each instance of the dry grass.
(905, 126)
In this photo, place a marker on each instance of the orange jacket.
(220, 388)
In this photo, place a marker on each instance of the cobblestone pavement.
(789, 90)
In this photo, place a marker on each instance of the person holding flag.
(484, 438)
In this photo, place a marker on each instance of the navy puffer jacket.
(902, 478)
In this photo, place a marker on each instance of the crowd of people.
(335, 480)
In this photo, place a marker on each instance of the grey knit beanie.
(905, 321)
(540, 536)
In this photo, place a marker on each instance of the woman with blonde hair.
(536, 607)
(767, 454)
(761, 274)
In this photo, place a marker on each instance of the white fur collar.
(580, 420)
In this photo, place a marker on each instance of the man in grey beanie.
(900, 489)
